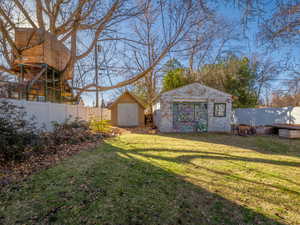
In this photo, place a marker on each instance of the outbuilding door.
(128, 114)
(190, 116)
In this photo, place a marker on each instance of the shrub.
(69, 124)
(20, 138)
(16, 132)
(100, 126)
(70, 132)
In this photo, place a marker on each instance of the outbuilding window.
(220, 109)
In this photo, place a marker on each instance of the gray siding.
(219, 124)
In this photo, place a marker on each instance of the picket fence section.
(45, 113)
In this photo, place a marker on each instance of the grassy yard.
(165, 179)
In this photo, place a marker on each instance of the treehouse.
(41, 66)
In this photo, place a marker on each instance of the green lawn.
(165, 179)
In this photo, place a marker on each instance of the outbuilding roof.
(140, 102)
(195, 85)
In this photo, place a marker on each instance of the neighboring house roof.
(140, 102)
(195, 85)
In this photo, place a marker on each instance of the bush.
(69, 124)
(100, 126)
(20, 138)
(70, 132)
(16, 132)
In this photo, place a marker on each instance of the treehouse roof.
(40, 47)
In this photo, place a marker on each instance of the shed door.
(190, 116)
(128, 114)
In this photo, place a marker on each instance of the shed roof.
(140, 102)
(193, 86)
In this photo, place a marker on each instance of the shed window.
(220, 109)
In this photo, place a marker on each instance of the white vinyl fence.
(46, 112)
(266, 116)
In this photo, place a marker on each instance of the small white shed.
(193, 108)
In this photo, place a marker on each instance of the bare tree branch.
(25, 13)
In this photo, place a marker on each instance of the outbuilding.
(193, 108)
(127, 111)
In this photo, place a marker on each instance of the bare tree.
(173, 22)
(208, 41)
(266, 72)
(279, 20)
(205, 35)
(146, 54)
(282, 27)
(99, 20)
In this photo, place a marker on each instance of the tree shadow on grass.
(217, 156)
(262, 144)
(110, 186)
(233, 141)
(189, 158)
(272, 145)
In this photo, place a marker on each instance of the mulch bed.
(18, 171)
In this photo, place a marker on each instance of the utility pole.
(96, 74)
